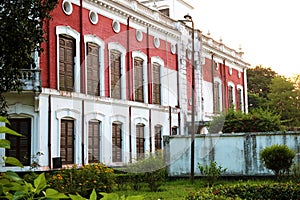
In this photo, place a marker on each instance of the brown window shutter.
(156, 84)
(116, 142)
(67, 141)
(93, 70)
(140, 141)
(115, 74)
(138, 80)
(66, 63)
(94, 142)
(158, 137)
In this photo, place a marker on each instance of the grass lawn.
(179, 189)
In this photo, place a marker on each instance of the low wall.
(238, 152)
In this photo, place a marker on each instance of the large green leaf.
(20, 195)
(54, 194)
(13, 161)
(4, 143)
(76, 197)
(13, 176)
(93, 195)
(3, 119)
(40, 183)
(4, 129)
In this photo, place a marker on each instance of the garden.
(148, 179)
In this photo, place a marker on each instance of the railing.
(31, 79)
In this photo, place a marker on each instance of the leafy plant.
(240, 191)
(114, 196)
(211, 172)
(6, 143)
(14, 187)
(74, 180)
(278, 158)
(259, 120)
(151, 170)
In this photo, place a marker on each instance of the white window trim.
(122, 50)
(66, 30)
(145, 77)
(76, 117)
(136, 121)
(101, 44)
(242, 90)
(233, 94)
(160, 61)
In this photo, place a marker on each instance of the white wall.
(239, 153)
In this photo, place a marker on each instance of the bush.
(279, 191)
(151, 170)
(278, 158)
(211, 172)
(258, 120)
(93, 176)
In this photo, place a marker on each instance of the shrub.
(211, 172)
(280, 191)
(258, 120)
(278, 158)
(93, 176)
(151, 170)
(295, 171)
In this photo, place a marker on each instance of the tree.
(21, 34)
(284, 100)
(259, 80)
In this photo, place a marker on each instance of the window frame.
(141, 55)
(101, 44)
(117, 47)
(68, 31)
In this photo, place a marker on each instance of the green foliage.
(22, 24)
(151, 170)
(278, 158)
(14, 187)
(73, 180)
(258, 120)
(6, 144)
(284, 100)
(259, 80)
(295, 171)
(211, 172)
(114, 196)
(249, 191)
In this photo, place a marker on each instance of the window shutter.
(116, 142)
(93, 71)
(66, 63)
(156, 84)
(115, 71)
(138, 80)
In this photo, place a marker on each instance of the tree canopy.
(268, 90)
(21, 33)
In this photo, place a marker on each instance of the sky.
(267, 30)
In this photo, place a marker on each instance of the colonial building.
(113, 79)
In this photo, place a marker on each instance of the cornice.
(208, 50)
(133, 9)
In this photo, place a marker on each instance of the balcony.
(31, 79)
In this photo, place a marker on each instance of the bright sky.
(267, 30)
